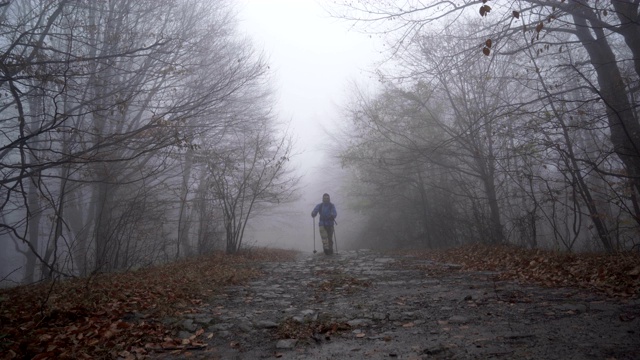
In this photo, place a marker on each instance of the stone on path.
(363, 304)
(286, 344)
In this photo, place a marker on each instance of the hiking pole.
(335, 238)
(313, 221)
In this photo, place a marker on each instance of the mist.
(160, 162)
(291, 226)
(221, 129)
(315, 60)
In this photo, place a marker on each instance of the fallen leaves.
(616, 275)
(118, 315)
(343, 282)
(292, 329)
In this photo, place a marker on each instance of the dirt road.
(367, 305)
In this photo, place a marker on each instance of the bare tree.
(556, 36)
(403, 179)
(249, 175)
(104, 101)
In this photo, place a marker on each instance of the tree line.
(499, 122)
(132, 132)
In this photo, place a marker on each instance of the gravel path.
(367, 305)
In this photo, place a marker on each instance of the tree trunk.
(624, 127)
(34, 231)
(425, 211)
(184, 217)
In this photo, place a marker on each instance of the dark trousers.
(326, 233)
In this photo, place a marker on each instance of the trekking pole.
(335, 238)
(313, 221)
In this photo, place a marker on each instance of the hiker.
(328, 216)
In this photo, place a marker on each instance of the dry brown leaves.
(616, 275)
(117, 315)
(339, 281)
(292, 329)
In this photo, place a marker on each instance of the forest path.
(367, 305)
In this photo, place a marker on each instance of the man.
(328, 216)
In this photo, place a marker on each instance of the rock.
(378, 316)
(571, 308)
(393, 317)
(307, 312)
(266, 324)
(434, 350)
(188, 325)
(456, 319)
(408, 315)
(286, 344)
(453, 266)
(203, 320)
(220, 327)
(132, 316)
(359, 322)
(270, 295)
(395, 283)
(169, 321)
(245, 326)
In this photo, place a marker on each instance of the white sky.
(314, 58)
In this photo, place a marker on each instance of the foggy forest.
(137, 133)
(141, 132)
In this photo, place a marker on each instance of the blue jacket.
(327, 213)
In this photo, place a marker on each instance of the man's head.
(326, 198)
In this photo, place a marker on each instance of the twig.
(180, 347)
(9, 274)
(495, 288)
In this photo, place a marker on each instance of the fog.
(139, 143)
(314, 58)
(308, 61)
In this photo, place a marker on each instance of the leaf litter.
(615, 275)
(118, 315)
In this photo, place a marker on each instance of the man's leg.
(325, 239)
(330, 238)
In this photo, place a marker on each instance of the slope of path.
(390, 306)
